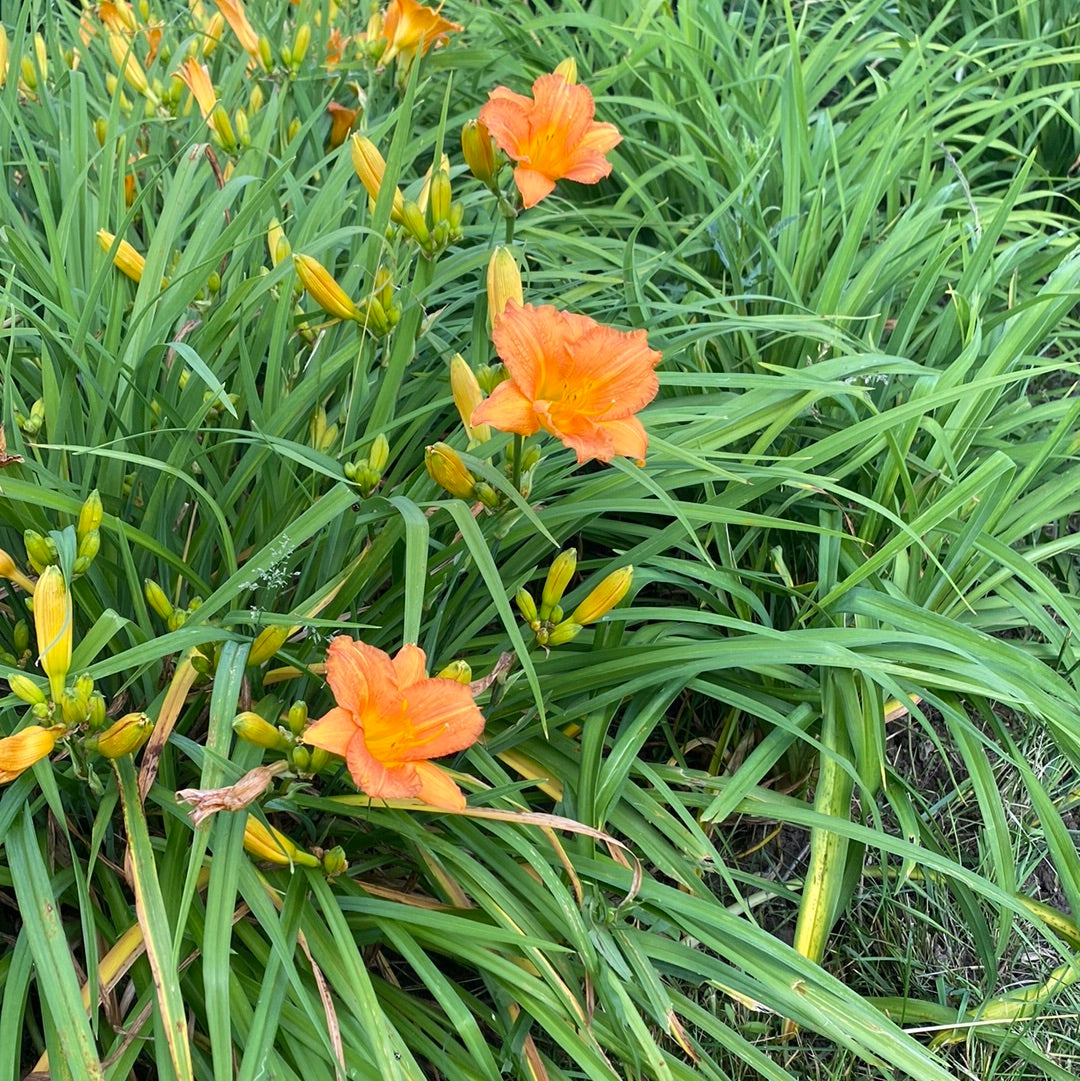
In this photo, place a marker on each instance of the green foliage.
(851, 231)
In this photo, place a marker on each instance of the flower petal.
(628, 437)
(508, 410)
(438, 789)
(612, 371)
(358, 674)
(377, 779)
(332, 732)
(533, 185)
(506, 116)
(443, 717)
(410, 666)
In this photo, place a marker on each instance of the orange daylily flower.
(342, 119)
(573, 377)
(335, 48)
(391, 718)
(196, 77)
(551, 135)
(236, 17)
(409, 26)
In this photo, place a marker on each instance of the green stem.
(519, 452)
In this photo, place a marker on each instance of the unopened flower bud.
(300, 758)
(155, 597)
(122, 737)
(412, 221)
(320, 758)
(89, 546)
(370, 166)
(222, 125)
(458, 671)
(251, 728)
(27, 746)
(26, 689)
(126, 259)
(90, 515)
(379, 455)
(503, 283)
(563, 633)
(297, 717)
(273, 846)
(71, 709)
(20, 633)
(478, 149)
(527, 607)
(53, 623)
(243, 128)
(604, 596)
(277, 242)
(567, 69)
(440, 196)
(40, 550)
(335, 862)
(558, 578)
(9, 569)
(467, 396)
(445, 467)
(323, 289)
(267, 643)
(487, 495)
(95, 714)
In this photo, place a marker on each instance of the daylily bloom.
(196, 77)
(551, 135)
(342, 119)
(409, 27)
(573, 377)
(391, 718)
(236, 17)
(20, 751)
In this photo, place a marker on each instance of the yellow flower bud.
(567, 69)
(130, 68)
(122, 737)
(212, 33)
(24, 748)
(458, 671)
(467, 396)
(53, 623)
(297, 717)
(478, 149)
(503, 283)
(334, 862)
(90, 515)
(558, 578)
(270, 844)
(251, 728)
(440, 195)
(445, 467)
(277, 242)
(266, 644)
(323, 289)
(563, 633)
(371, 168)
(412, 221)
(604, 596)
(40, 550)
(379, 455)
(3, 55)
(300, 45)
(126, 259)
(527, 607)
(88, 549)
(26, 689)
(9, 569)
(222, 125)
(156, 598)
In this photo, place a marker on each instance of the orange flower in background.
(236, 17)
(342, 119)
(335, 48)
(409, 26)
(196, 77)
(391, 718)
(551, 135)
(573, 377)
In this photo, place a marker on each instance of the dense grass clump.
(779, 756)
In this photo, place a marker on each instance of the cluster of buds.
(63, 709)
(445, 467)
(433, 220)
(172, 616)
(367, 473)
(323, 434)
(31, 425)
(20, 635)
(292, 56)
(286, 738)
(549, 623)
